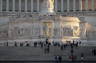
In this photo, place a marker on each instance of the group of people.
(94, 51)
(53, 43)
(46, 45)
(58, 59)
(16, 44)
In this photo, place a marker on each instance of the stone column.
(1, 5)
(20, 5)
(31, 5)
(86, 4)
(74, 5)
(62, 6)
(68, 5)
(13, 5)
(7, 5)
(56, 5)
(37, 5)
(93, 4)
(80, 5)
(25, 5)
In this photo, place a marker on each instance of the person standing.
(82, 57)
(58, 59)
(94, 52)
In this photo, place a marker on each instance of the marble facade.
(34, 20)
(55, 28)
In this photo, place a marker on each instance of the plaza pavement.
(11, 53)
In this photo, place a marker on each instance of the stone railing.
(30, 14)
(79, 13)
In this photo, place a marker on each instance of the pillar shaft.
(25, 5)
(31, 5)
(86, 4)
(80, 5)
(74, 5)
(20, 5)
(7, 5)
(62, 5)
(0, 5)
(93, 4)
(56, 5)
(13, 5)
(68, 5)
(37, 5)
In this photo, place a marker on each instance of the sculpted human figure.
(48, 6)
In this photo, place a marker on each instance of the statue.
(47, 6)
(50, 5)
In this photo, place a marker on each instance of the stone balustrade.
(29, 14)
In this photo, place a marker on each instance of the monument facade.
(36, 20)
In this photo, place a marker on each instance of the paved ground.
(37, 53)
(45, 62)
